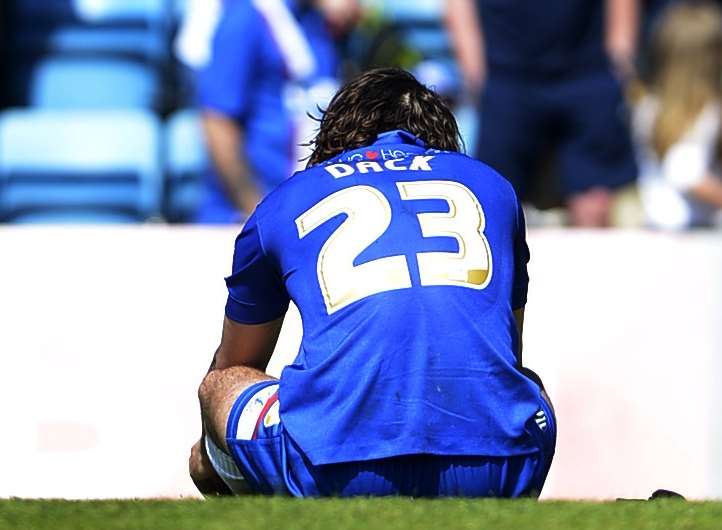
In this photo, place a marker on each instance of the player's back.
(405, 264)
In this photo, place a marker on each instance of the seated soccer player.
(407, 261)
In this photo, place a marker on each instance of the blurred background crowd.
(602, 113)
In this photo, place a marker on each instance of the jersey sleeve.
(225, 82)
(521, 258)
(256, 293)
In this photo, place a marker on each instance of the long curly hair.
(378, 101)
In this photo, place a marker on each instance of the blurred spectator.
(550, 76)
(192, 45)
(271, 62)
(677, 124)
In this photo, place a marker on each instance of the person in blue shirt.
(408, 263)
(271, 61)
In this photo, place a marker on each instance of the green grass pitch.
(247, 513)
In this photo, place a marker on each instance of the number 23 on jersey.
(369, 215)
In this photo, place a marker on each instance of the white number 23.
(369, 216)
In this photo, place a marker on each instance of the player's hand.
(202, 473)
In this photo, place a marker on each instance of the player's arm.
(519, 319)
(520, 284)
(225, 139)
(528, 372)
(256, 304)
(519, 295)
(462, 23)
(241, 345)
(248, 345)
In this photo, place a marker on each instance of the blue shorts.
(581, 120)
(272, 463)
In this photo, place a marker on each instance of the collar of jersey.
(398, 137)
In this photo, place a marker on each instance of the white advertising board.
(107, 331)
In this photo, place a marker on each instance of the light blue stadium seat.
(93, 83)
(125, 28)
(92, 41)
(108, 41)
(105, 10)
(185, 161)
(81, 165)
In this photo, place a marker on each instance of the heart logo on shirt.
(372, 155)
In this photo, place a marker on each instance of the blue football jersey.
(406, 264)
